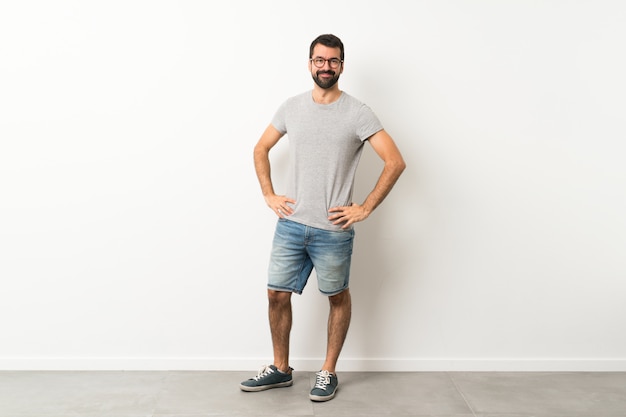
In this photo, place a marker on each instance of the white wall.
(133, 234)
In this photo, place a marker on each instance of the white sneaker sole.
(265, 387)
(320, 398)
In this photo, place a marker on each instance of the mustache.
(326, 72)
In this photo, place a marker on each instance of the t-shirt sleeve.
(368, 123)
(279, 120)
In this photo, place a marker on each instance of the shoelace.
(323, 379)
(263, 372)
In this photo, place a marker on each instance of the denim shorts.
(297, 249)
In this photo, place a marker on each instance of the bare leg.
(280, 325)
(338, 323)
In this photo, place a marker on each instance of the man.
(327, 129)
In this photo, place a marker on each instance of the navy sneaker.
(268, 377)
(325, 386)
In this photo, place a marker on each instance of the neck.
(326, 96)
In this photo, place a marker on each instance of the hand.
(348, 215)
(279, 204)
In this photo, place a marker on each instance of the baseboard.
(313, 364)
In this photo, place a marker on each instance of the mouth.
(326, 74)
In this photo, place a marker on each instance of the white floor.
(198, 394)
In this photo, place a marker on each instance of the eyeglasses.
(319, 62)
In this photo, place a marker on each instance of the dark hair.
(328, 40)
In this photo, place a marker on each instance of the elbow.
(394, 168)
(260, 151)
(399, 166)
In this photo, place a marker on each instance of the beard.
(325, 83)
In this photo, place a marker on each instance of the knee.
(278, 298)
(340, 300)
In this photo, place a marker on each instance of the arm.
(278, 203)
(387, 150)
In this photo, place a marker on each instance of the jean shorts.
(297, 249)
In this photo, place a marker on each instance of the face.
(326, 76)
